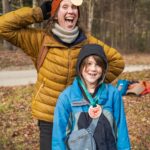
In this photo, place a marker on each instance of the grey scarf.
(64, 35)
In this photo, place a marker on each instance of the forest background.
(123, 24)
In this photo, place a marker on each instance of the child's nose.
(93, 67)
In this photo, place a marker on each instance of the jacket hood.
(91, 49)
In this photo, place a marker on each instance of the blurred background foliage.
(123, 24)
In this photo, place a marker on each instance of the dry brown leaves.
(138, 112)
(14, 60)
(137, 59)
(138, 118)
(19, 131)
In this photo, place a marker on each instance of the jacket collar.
(78, 96)
(50, 41)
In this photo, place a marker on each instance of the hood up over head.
(91, 49)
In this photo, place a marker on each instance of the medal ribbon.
(93, 101)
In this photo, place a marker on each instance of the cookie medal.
(95, 112)
(77, 2)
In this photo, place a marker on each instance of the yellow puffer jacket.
(58, 69)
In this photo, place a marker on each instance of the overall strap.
(93, 125)
(42, 54)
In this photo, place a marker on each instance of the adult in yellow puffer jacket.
(63, 42)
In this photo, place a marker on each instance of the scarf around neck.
(65, 35)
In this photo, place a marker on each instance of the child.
(90, 97)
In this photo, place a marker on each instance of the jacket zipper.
(41, 86)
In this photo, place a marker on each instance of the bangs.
(99, 61)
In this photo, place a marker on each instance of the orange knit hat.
(56, 3)
(54, 7)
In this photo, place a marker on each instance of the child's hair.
(98, 60)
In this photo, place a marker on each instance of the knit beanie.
(54, 7)
(56, 3)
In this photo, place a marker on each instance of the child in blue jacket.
(90, 97)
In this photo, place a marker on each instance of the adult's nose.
(70, 10)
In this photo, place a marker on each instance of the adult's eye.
(74, 7)
(65, 6)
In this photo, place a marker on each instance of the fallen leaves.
(10, 60)
(18, 130)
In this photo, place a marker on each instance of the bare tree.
(35, 3)
(91, 12)
(21, 3)
(6, 8)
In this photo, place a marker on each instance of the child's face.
(67, 15)
(91, 72)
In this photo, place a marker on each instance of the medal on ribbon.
(95, 112)
(95, 109)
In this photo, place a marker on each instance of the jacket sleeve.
(61, 124)
(115, 63)
(14, 27)
(123, 141)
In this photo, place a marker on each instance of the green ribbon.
(93, 101)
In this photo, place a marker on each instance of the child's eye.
(89, 63)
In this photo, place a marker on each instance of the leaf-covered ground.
(138, 113)
(14, 60)
(19, 131)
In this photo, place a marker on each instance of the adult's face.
(67, 15)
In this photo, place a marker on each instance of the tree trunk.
(91, 15)
(6, 8)
(35, 3)
(21, 3)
